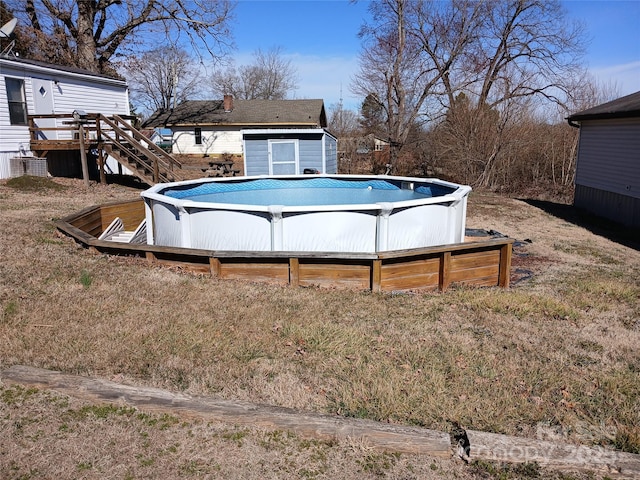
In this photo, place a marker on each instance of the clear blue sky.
(320, 38)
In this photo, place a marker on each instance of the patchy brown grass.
(553, 357)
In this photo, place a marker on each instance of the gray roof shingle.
(623, 107)
(245, 113)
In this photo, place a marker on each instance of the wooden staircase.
(129, 147)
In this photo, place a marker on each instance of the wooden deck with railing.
(113, 136)
(486, 262)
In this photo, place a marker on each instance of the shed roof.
(623, 107)
(244, 113)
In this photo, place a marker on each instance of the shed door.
(43, 105)
(283, 157)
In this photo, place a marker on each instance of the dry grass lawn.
(554, 357)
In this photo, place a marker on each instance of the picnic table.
(216, 168)
(220, 168)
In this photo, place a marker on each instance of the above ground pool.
(319, 213)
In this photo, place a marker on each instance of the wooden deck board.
(356, 276)
(255, 271)
(482, 263)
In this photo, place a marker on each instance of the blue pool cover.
(298, 192)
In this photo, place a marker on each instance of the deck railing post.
(83, 155)
(32, 130)
(156, 170)
(101, 153)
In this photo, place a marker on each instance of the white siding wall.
(71, 92)
(609, 156)
(217, 142)
(92, 98)
(14, 139)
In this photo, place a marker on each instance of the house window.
(16, 100)
(283, 157)
(198, 134)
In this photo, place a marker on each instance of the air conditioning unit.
(35, 166)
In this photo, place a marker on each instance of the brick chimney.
(228, 103)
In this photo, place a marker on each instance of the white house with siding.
(29, 87)
(608, 165)
(272, 136)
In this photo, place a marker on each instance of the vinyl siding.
(609, 156)
(619, 208)
(71, 92)
(213, 142)
(72, 95)
(310, 151)
(256, 157)
(331, 154)
(14, 139)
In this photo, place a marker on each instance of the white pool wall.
(365, 228)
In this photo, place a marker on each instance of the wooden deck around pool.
(486, 262)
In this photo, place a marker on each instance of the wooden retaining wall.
(482, 263)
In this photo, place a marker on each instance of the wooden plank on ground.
(380, 436)
(556, 455)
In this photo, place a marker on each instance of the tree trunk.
(86, 45)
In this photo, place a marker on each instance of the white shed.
(29, 87)
(608, 165)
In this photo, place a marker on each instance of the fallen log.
(384, 437)
(379, 436)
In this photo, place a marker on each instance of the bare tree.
(526, 48)
(407, 55)
(269, 77)
(94, 31)
(372, 116)
(419, 55)
(162, 77)
(343, 122)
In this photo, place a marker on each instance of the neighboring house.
(273, 136)
(608, 165)
(161, 137)
(29, 87)
(363, 154)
